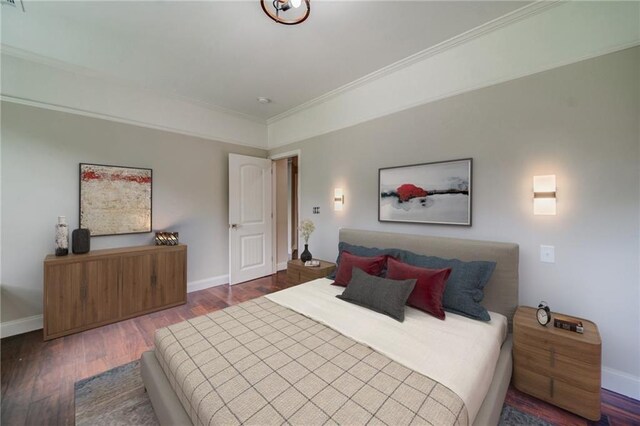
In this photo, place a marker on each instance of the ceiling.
(228, 53)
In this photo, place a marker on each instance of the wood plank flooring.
(37, 377)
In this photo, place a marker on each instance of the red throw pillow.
(427, 294)
(371, 265)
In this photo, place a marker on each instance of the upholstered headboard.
(501, 292)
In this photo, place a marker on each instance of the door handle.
(233, 226)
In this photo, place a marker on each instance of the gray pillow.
(378, 294)
(465, 287)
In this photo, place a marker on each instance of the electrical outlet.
(548, 254)
(316, 210)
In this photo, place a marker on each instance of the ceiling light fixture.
(275, 8)
(264, 100)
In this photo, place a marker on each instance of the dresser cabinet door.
(87, 291)
(170, 268)
(138, 282)
(101, 290)
(63, 298)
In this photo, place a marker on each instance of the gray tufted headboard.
(501, 292)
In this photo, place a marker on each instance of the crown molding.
(47, 83)
(15, 52)
(123, 120)
(534, 39)
(500, 22)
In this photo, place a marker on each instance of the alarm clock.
(543, 314)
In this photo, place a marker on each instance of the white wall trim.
(207, 283)
(621, 382)
(46, 83)
(61, 108)
(25, 325)
(505, 49)
(281, 266)
(20, 326)
(77, 69)
(288, 154)
(517, 15)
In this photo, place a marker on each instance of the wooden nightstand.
(297, 273)
(558, 366)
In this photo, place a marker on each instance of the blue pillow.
(364, 252)
(464, 290)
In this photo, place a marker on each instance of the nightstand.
(558, 366)
(297, 273)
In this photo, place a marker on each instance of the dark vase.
(306, 254)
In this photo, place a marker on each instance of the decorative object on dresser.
(80, 241)
(167, 238)
(306, 229)
(558, 366)
(297, 273)
(115, 200)
(62, 237)
(436, 193)
(106, 286)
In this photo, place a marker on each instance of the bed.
(265, 361)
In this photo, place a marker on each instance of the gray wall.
(579, 122)
(41, 150)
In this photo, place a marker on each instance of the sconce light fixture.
(338, 199)
(544, 195)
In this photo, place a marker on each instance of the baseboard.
(621, 382)
(19, 326)
(25, 325)
(281, 266)
(207, 283)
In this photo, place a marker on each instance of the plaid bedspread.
(263, 364)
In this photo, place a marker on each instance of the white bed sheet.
(458, 352)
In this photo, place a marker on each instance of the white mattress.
(458, 352)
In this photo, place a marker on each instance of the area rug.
(117, 397)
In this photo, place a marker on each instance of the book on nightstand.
(568, 323)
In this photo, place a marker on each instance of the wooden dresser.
(558, 366)
(104, 286)
(297, 273)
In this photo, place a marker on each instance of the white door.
(250, 220)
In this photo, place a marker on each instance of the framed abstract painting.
(115, 200)
(435, 193)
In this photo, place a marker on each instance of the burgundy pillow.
(371, 265)
(430, 284)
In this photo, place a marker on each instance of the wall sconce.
(338, 199)
(544, 195)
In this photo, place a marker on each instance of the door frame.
(273, 158)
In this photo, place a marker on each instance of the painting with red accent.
(426, 193)
(115, 200)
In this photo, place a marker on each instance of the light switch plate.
(548, 254)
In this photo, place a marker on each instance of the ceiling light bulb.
(296, 3)
(264, 100)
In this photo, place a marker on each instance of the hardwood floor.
(37, 377)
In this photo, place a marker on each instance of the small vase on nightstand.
(305, 256)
